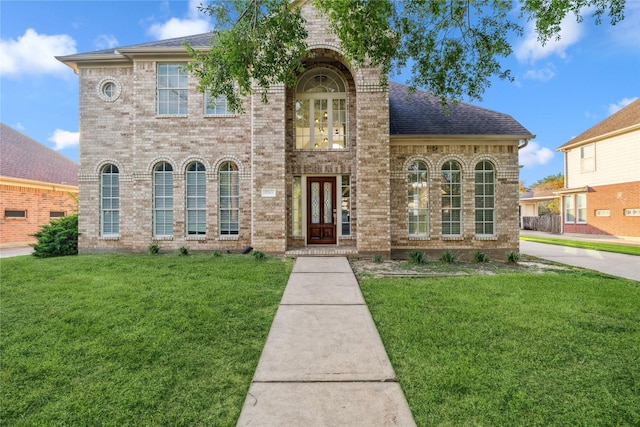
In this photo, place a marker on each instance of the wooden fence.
(548, 223)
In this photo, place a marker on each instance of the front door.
(321, 210)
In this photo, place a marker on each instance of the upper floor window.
(484, 198)
(110, 201)
(587, 158)
(217, 106)
(321, 111)
(172, 89)
(418, 199)
(451, 191)
(229, 194)
(196, 199)
(163, 199)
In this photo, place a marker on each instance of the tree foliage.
(57, 238)
(452, 48)
(551, 182)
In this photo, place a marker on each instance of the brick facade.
(128, 133)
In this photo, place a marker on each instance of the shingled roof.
(420, 113)
(22, 157)
(196, 40)
(627, 117)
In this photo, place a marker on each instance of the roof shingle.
(22, 157)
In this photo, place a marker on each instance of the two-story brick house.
(337, 164)
(602, 177)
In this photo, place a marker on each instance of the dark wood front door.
(321, 210)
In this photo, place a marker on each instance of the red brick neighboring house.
(602, 177)
(37, 184)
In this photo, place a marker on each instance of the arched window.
(196, 199)
(485, 198)
(418, 199)
(451, 191)
(229, 195)
(163, 199)
(321, 111)
(110, 201)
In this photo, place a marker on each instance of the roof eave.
(72, 61)
(568, 146)
(465, 137)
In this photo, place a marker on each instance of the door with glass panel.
(321, 210)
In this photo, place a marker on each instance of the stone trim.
(159, 159)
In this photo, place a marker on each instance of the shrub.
(57, 238)
(183, 250)
(417, 257)
(216, 253)
(259, 255)
(154, 249)
(480, 256)
(513, 257)
(378, 259)
(448, 257)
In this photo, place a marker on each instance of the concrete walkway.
(324, 363)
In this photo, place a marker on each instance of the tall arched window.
(451, 191)
(196, 199)
(321, 111)
(110, 201)
(229, 195)
(163, 199)
(418, 199)
(484, 198)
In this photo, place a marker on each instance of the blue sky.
(560, 90)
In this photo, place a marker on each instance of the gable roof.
(420, 113)
(627, 117)
(25, 158)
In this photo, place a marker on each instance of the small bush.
(417, 257)
(57, 238)
(216, 253)
(448, 257)
(513, 257)
(259, 255)
(183, 250)
(154, 249)
(378, 259)
(480, 256)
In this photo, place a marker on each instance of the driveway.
(627, 266)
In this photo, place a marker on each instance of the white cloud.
(33, 54)
(614, 108)
(64, 139)
(543, 74)
(195, 22)
(533, 154)
(531, 50)
(105, 41)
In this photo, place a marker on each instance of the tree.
(551, 182)
(452, 47)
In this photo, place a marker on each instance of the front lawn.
(596, 246)
(557, 348)
(133, 339)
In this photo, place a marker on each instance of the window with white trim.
(587, 158)
(229, 197)
(163, 200)
(569, 209)
(451, 190)
(296, 209)
(196, 193)
(345, 205)
(581, 208)
(110, 201)
(418, 199)
(321, 111)
(172, 89)
(218, 106)
(484, 198)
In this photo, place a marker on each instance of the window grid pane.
(484, 199)
(297, 206)
(110, 201)
(346, 205)
(418, 199)
(229, 198)
(163, 200)
(196, 199)
(172, 89)
(451, 190)
(216, 106)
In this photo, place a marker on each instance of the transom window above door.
(321, 111)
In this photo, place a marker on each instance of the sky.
(560, 90)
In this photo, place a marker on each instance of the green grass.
(133, 339)
(513, 349)
(607, 247)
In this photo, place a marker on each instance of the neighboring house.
(335, 165)
(37, 185)
(602, 177)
